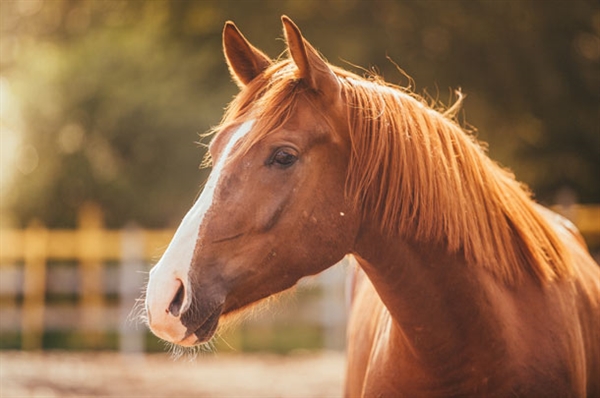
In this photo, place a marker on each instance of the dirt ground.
(62, 374)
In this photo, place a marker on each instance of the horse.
(464, 285)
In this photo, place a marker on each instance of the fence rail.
(30, 250)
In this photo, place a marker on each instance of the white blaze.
(174, 266)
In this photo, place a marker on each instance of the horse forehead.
(306, 122)
(223, 142)
(220, 140)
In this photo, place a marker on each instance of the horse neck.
(440, 305)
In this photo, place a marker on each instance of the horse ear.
(244, 60)
(311, 67)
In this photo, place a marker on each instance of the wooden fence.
(91, 246)
(133, 249)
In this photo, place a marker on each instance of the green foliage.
(111, 96)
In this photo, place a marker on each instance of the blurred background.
(103, 103)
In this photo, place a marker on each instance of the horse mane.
(417, 174)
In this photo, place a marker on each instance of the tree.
(112, 95)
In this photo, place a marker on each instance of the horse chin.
(203, 333)
(223, 316)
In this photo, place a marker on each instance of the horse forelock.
(418, 174)
(269, 99)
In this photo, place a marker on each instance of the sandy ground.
(62, 374)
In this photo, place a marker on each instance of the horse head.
(274, 207)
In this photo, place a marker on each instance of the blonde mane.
(418, 174)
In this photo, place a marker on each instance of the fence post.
(131, 281)
(34, 286)
(93, 316)
(333, 314)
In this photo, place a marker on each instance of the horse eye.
(284, 158)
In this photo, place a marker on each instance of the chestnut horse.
(465, 286)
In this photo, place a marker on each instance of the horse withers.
(464, 285)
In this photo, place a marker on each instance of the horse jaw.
(168, 294)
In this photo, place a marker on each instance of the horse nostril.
(177, 302)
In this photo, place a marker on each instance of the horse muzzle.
(167, 298)
(175, 316)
